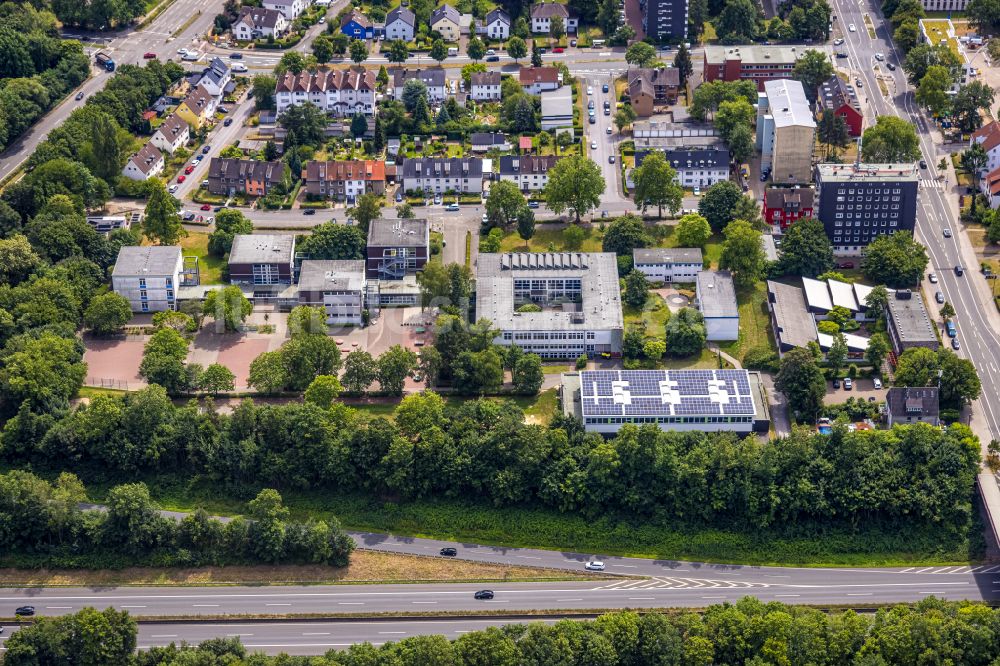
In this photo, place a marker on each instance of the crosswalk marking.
(662, 583)
(963, 569)
(930, 183)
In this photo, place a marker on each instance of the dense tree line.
(37, 68)
(42, 524)
(484, 449)
(747, 632)
(96, 15)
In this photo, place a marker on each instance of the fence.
(104, 382)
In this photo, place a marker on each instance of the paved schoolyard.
(114, 363)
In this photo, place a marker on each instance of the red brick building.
(754, 63)
(840, 97)
(785, 205)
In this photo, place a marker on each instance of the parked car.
(558, 49)
(148, 55)
(939, 297)
(593, 145)
(607, 130)
(880, 57)
(437, 199)
(449, 552)
(227, 122)
(836, 383)
(484, 594)
(846, 264)
(322, 20)
(205, 149)
(399, 197)
(842, 55)
(493, 58)
(181, 178)
(590, 90)
(236, 56)
(188, 169)
(206, 207)
(309, 211)
(240, 67)
(932, 277)
(572, 42)
(595, 565)
(848, 384)
(452, 207)
(838, 41)
(890, 66)
(532, 204)
(955, 344)
(80, 95)
(223, 110)
(611, 159)
(25, 610)
(172, 189)
(490, 52)
(877, 383)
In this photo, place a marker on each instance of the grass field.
(196, 244)
(652, 318)
(547, 240)
(755, 322)
(527, 526)
(366, 567)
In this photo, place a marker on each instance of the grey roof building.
(672, 255)
(717, 301)
(139, 260)
(396, 248)
(791, 321)
(906, 404)
(437, 174)
(148, 276)
(262, 259)
(909, 324)
(577, 292)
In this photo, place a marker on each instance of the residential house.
(290, 8)
(496, 25)
(396, 248)
(257, 22)
(709, 400)
(227, 177)
(346, 180)
(529, 172)
(839, 96)
(543, 13)
(485, 86)
(649, 88)
(197, 108)
(485, 141)
(785, 205)
(434, 79)
(906, 405)
(716, 298)
(989, 185)
(441, 175)
(339, 287)
(400, 23)
(673, 264)
(557, 110)
(357, 26)
(148, 276)
(988, 136)
(262, 259)
(665, 20)
(146, 163)
(216, 77)
(859, 202)
(700, 167)
(447, 21)
(536, 80)
(173, 133)
(339, 92)
(754, 63)
(786, 131)
(577, 293)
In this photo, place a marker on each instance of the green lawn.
(755, 323)
(651, 318)
(539, 408)
(196, 244)
(546, 240)
(706, 359)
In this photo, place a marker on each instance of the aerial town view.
(499, 333)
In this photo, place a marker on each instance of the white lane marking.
(205, 605)
(239, 634)
(315, 633)
(626, 566)
(719, 597)
(58, 607)
(277, 604)
(529, 557)
(164, 636)
(392, 632)
(133, 606)
(860, 594)
(423, 602)
(775, 576)
(497, 601)
(640, 598)
(350, 603)
(579, 599)
(788, 595)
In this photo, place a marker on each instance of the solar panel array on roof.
(666, 393)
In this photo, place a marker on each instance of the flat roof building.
(148, 276)
(577, 293)
(673, 264)
(785, 131)
(262, 259)
(909, 324)
(716, 297)
(339, 287)
(790, 318)
(702, 400)
(397, 248)
(754, 63)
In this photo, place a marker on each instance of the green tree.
(557, 28)
(228, 306)
(933, 91)
(359, 125)
(475, 49)
(682, 61)
(640, 54)
(477, 372)
(291, 61)
(737, 23)
(360, 371)
(414, 91)
(216, 379)
(812, 69)
(967, 104)
(890, 141)
(636, 289)
(624, 234)
(877, 302)
(331, 240)
(656, 183)
(895, 260)
(504, 204)
(163, 361)
(947, 311)
(161, 221)
(805, 249)
(107, 313)
(536, 55)
(575, 184)
(836, 355)
(307, 122)
(984, 14)
(393, 367)
(516, 48)
(323, 390)
(917, 366)
(878, 349)
(229, 222)
(573, 237)
(263, 91)
(718, 203)
(624, 117)
(525, 224)
(17, 259)
(685, 333)
(368, 207)
(339, 43)
(267, 372)
(439, 51)
(308, 356)
(45, 371)
(832, 130)
(307, 320)
(960, 384)
(404, 211)
(693, 231)
(801, 380)
(359, 51)
(743, 253)
(924, 56)
(528, 375)
(322, 48)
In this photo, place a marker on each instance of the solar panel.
(666, 393)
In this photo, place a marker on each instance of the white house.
(174, 133)
(543, 13)
(988, 136)
(336, 286)
(146, 163)
(216, 77)
(668, 264)
(496, 26)
(557, 110)
(485, 86)
(290, 8)
(400, 24)
(716, 298)
(341, 92)
(434, 79)
(702, 167)
(255, 22)
(148, 276)
(441, 175)
(529, 172)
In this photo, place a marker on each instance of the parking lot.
(862, 388)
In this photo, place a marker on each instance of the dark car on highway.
(484, 594)
(30, 610)
(449, 552)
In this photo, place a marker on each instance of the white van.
(452, 51)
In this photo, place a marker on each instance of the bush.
(581, 361)
(761, 358)
(950, 415)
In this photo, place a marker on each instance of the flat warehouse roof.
(666, 393)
